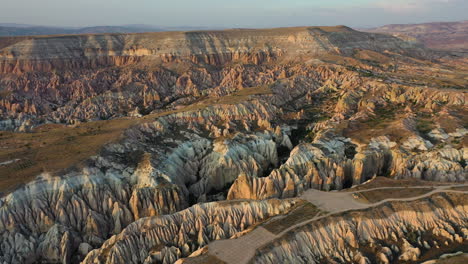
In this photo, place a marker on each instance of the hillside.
(437, 35)
(11, 30)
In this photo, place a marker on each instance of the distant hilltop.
(436, 35)
(215, 47)
(12, 29)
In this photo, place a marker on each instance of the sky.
(224, 13)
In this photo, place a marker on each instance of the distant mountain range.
(437, 35)
(11, 29)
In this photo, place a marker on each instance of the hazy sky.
(224, 13)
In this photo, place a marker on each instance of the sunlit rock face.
(324, 165)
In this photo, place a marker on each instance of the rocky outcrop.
(334, 164)
(58, 216)
(394, 232)
(165, 239)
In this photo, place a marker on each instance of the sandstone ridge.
(210, 47)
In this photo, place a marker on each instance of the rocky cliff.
(211, 47)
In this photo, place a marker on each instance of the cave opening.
(348, 182)
(283, 154)
(218, 194)
(350, 151)
(298, 135)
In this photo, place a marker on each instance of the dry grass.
(234, 98)
(435, 254)
(460, 188)
(461, 259)
(456, 118)
(303, 212)
(204, 259)
(6, 41)
(53, 148)
(4, 93)
(432, 76)
(373, 56)
(341, 60)
(364, 131)
(231, 99)
(379, 182)
(380, 195)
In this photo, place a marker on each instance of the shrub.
(424, 126)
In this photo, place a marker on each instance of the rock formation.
(398, 232)
(238, 114)
(164, 239)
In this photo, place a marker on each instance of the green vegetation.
(362, 72)
(382, 114)
(366, 73)
(462, 163)
(411, 236)
(424, 126)
(310, 136)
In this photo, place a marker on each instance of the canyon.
(158, 147)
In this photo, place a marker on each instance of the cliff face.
(218, 48)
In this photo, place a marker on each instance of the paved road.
(241, 250)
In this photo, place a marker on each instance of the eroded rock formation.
(396, 232)
(164, 239)
(223, 115)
